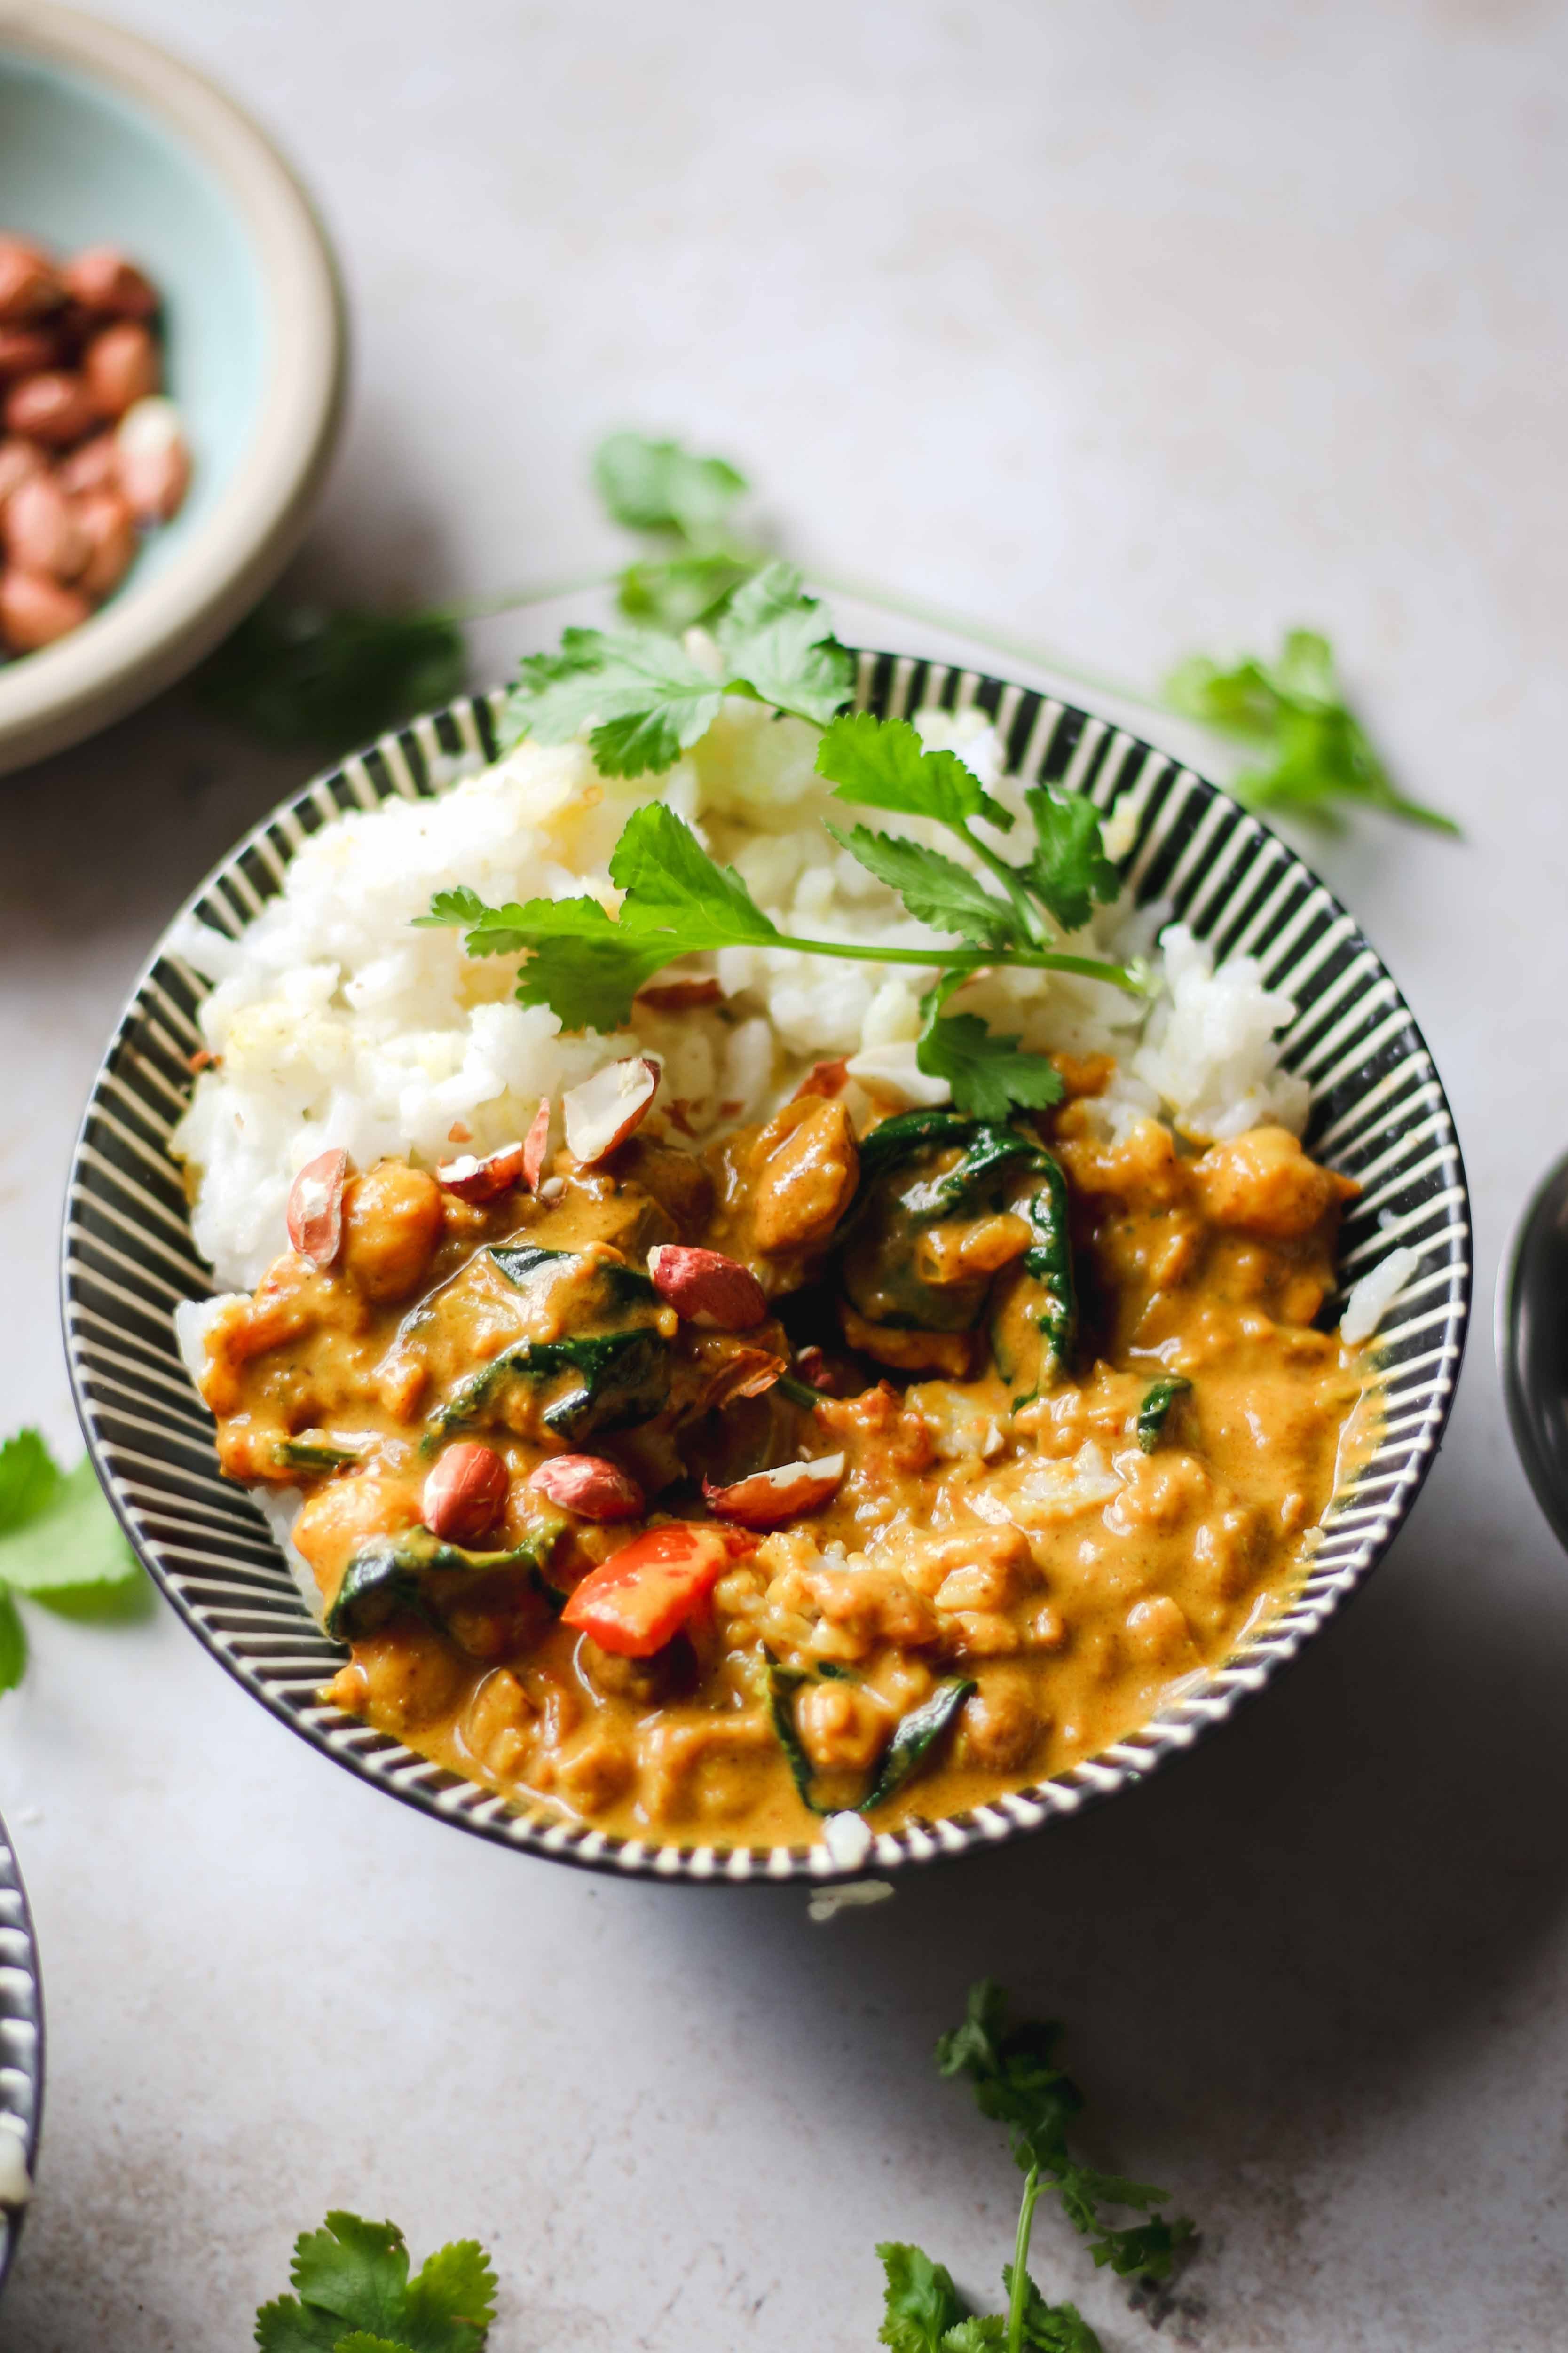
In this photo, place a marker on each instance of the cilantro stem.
(1019, 2296)
(967, 960)
(1007, 875)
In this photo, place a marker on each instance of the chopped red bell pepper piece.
(635, 1602)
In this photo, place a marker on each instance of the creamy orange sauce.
(1006, 1546)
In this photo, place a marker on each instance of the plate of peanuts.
(172, 353)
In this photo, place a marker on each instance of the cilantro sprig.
(59, 1543)
(353, 2295)
(646, 698)
(1018, 2083)
(1313, 754)
(643, 699)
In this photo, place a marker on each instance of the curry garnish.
(1017, 2083)
(353, 2290)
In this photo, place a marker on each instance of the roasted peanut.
(25, 351)
(120, 366)
(466, 1494)
(314, 1216)
(35, 610)
(154, 464)
(111, 532)
(29, 284)
(19, 461)
(94, 467)
(102, 281)
(589, 1485)
(43, 531)
(54, 407)
(705, 1287)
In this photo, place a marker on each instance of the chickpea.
(807, 1175)
(499, 1714)
(1002, 1725)
(842, 1728)
(392, 1223)
(1264, 1183)
(339, 1515)
(411, 1676)
(596, 1774)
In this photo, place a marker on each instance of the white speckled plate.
(1378, 1112)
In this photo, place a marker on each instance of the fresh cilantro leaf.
(13, 1644)
(921, 2303)
(297, 674)
(882, 764)
(28, 1477)
(353, 2295)
(673, 887)
(658, 486)
(976, 2334)
(286, 2325)
(935, 890)
(1017, 2082)
(1069, 870)
(353, 2269)
(685, 589)
(587, 966)
(989, 1076)
(639, 693)
(1051, 2327)
(1316, 752)
(73, 1543)
(450, 2301)
(780, 643)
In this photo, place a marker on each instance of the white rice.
(338, 1024)
(1370, 1298)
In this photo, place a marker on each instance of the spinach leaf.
(913, 1739)
(1155, 1411)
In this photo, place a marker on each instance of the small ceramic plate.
(1378, 1114)
(21, 2037)
(105, 140)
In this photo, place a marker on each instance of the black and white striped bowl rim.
(21, 2033)
(1378, 1112)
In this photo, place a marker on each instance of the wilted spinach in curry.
(964, 1334)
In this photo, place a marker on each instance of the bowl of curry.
(863, 1482)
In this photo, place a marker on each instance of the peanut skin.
(110, 530)
(102, 281)
(28, 283)
(42, 531)
(120, 366)
(54, 407)
(35, 610)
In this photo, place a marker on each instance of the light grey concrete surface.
(1126, 327)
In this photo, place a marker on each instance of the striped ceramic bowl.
(21, 2037)
(1378, 1114)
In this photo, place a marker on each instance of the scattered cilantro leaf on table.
(1314, 753)
(353, 2295)
(59, 1543)
(660, 486)
(1017, 2083)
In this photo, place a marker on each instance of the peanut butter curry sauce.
(1049, 1422)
